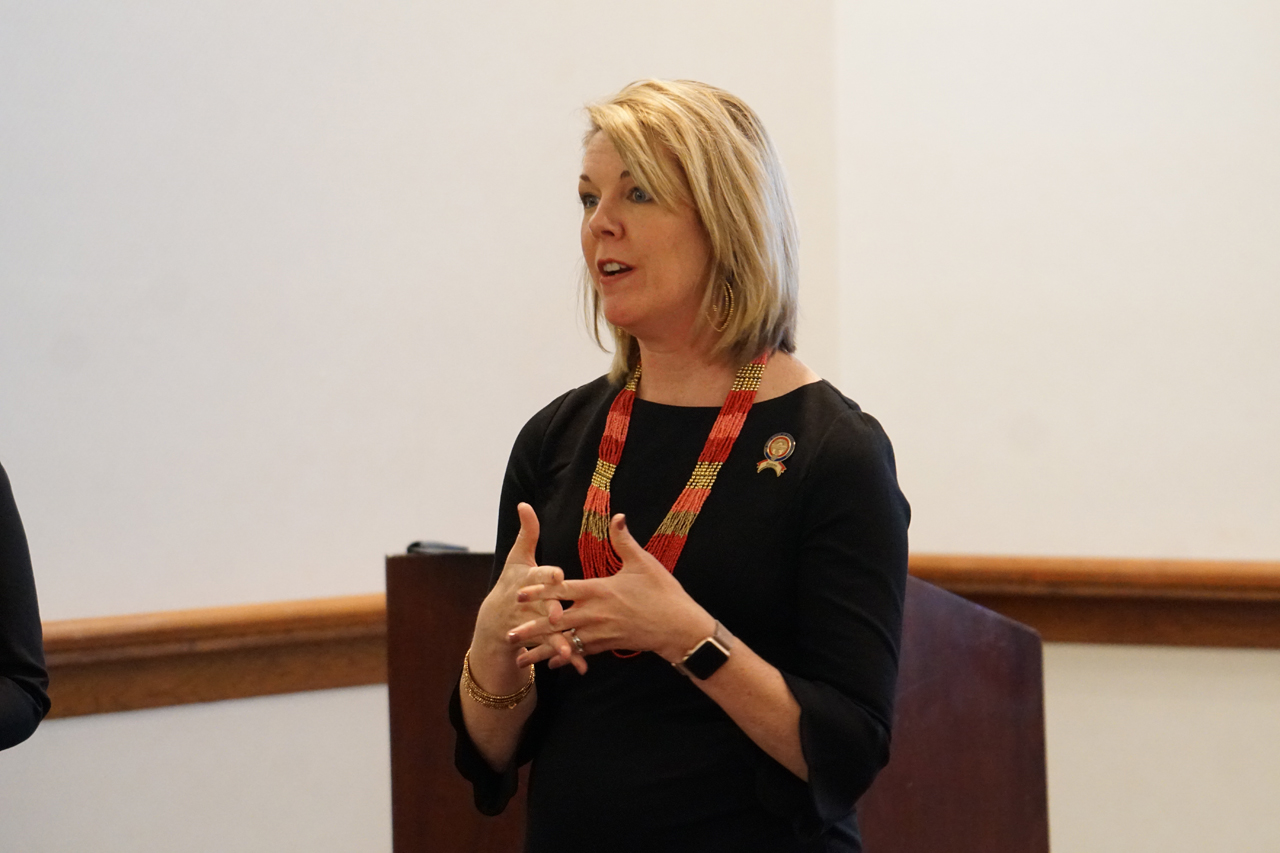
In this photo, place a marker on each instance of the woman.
(729, 685)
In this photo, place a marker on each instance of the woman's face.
(649, 263)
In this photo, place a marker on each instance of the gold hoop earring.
(728, 314)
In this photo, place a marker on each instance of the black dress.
(808, 568)
(23, 681)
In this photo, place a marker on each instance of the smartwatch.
(706, 657)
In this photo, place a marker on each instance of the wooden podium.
(967, 773)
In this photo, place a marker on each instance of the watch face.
(706, 658)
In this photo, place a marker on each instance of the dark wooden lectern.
(967, 773)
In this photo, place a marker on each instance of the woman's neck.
(688, 377)
(683, 377)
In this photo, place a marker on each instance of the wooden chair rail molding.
(1148, 602)
(149, 660)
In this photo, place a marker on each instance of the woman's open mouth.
(610, 269)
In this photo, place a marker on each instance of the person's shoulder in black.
(567, 418)
(24, 682)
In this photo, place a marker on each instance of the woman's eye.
(588, 200)
(640, 196)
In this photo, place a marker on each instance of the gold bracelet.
(491, 700)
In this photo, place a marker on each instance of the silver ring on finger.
(577, 641)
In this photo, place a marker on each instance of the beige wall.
(303, 772)
(1162, 749)
(1060, 291)
(1060, 273)
(281, 282)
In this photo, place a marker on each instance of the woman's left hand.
(641, 608)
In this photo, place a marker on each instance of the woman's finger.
(631, 552)
(544, 575)
(538, 653)
(578, 663)
(579, 652)
(527, 539)
(559, 649)
(527, 632)
(541, 592)
(577, 641)
(533, 631)
(562, 646)
(563, 591)
(555, 614)
(538, 630)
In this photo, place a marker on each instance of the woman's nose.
(604, 221)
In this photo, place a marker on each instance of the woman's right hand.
(493, 651)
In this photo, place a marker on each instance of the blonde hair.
(687, 142)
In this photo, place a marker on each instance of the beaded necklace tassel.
(596, 553)
(595, 512)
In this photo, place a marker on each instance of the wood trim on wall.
(150, 660)
(1145, 602)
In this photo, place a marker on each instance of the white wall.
(279, 282)
(305, 772)
(1060, 291)
(1060, 269)
(1162, 749)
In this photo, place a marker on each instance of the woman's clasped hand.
(505, 609)
(641, 608)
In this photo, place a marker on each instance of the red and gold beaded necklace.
(598, 557)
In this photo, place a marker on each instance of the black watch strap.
(707, 656)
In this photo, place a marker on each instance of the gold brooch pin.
(776, 449)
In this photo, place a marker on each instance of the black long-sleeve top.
(23, 680)
(807, 568)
